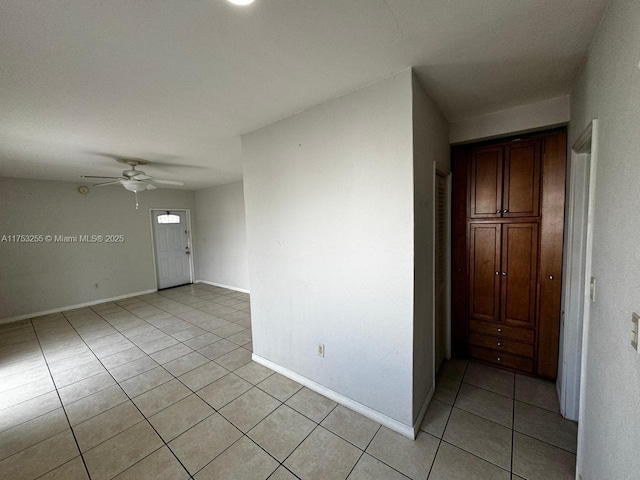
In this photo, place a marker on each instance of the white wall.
(430, 146)
(551, 112)
(221, 240)
(609, 90)
(45, 276)
(329, 205)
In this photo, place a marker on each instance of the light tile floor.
(162, 386)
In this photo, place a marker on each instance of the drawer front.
(501, 344)
(496, 357)
(501, 330)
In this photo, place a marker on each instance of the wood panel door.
(519, 273)
(521, 180)
(485, 196)
(484, 275)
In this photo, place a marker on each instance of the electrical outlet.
(635, 319)
(321, 349)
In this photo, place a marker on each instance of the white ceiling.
(177, 81)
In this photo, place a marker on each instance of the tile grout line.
(441, 439)
(118, 383)
(131, 399)
(73, 433)
(513, 415)
(96, 358)
(133, 403)
(192, 324)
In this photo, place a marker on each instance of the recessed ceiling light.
(241, 2)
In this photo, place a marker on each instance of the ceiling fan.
(132, 179)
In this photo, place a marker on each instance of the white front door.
(172, 247)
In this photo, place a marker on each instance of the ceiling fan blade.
(107, 183)
(95, 176)
(151, 187)
(168, 182)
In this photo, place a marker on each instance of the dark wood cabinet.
(521, 180)
(505, 181)
(519, 273)
(484, 278)
(508, 207)
(486, 183)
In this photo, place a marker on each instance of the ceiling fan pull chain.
(136, 194)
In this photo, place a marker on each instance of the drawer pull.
(499, 330)
(499, 359)
(499, 344)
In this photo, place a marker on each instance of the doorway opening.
(577, 299)
(172, 247)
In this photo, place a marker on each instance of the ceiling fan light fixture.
(134, 185)
(242, 3)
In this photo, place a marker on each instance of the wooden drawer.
(503, 359)
(501, 344)
(501, 330)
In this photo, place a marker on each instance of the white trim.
(222, 285)
(423, 410)
(591, 134)
(73, 307)
(368, 412)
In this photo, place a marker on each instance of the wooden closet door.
(522, 179)
(485, 194)
(519, 273)
(484, 278)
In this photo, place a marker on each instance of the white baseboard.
(73, 307)
(423, 410)
(368, 412)
(222, 285)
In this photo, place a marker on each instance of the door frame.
(153, 240)
(575, 327)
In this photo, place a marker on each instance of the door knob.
(550, 277)
(499, 330)
(505, 211)
(498, 211)
(499, 344)
(504, 274)
(497, 273)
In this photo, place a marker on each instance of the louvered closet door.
(441, 270)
